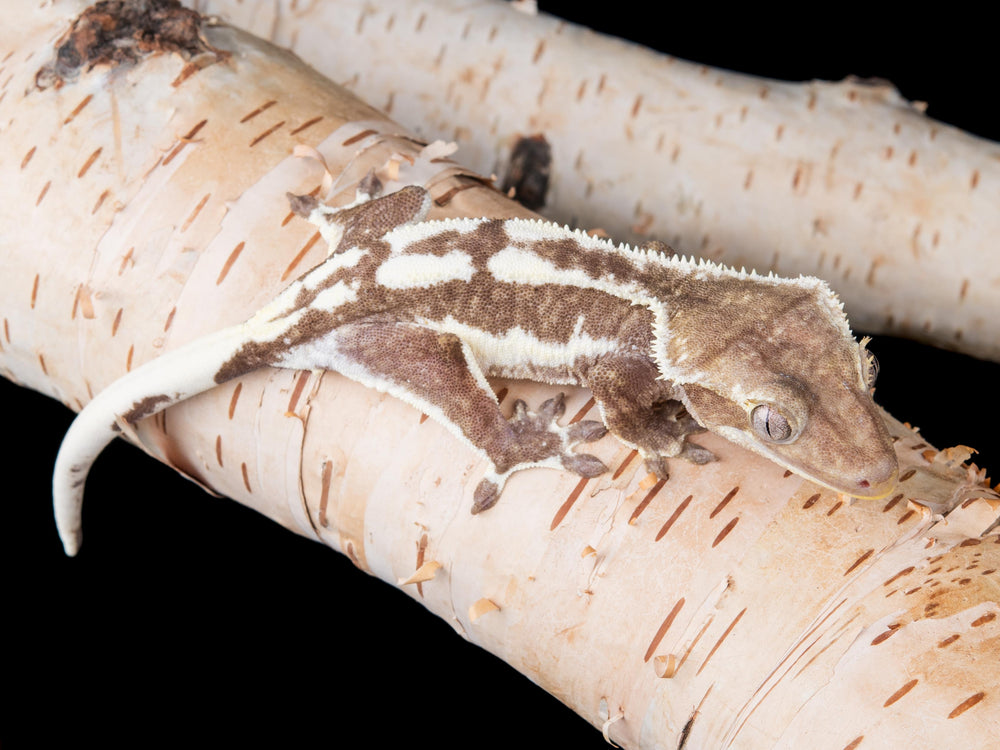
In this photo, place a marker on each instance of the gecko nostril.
(864, 484)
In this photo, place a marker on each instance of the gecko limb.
(539, 438)
(642, 410)
(438, 374)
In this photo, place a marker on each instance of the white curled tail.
(151, 388)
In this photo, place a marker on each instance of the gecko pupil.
(770, 424)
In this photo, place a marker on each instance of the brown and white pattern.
(428, 310)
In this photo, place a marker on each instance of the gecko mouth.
(864, 489)
(877, 480)
(878, 491)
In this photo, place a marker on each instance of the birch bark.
(775, 600)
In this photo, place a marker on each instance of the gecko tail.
(146, 390)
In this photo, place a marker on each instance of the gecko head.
(774, 368)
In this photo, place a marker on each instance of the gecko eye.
(770, 424)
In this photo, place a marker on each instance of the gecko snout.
(878, 482)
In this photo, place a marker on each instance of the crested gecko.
(428, 310)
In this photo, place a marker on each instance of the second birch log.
(847, 181)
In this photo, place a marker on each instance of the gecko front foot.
(657, 463)
(538, 440)
(664, 433)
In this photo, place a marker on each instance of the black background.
(207, 622)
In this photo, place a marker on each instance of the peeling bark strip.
(123, 32)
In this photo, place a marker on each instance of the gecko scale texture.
(428, 310)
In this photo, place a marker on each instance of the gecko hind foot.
(540, 441)
(542, 438)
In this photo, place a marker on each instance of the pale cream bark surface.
(847, 181)
(731, 606)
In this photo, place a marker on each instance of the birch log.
(733, 606)
(848, 181)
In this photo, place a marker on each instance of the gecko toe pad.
(486, 495)
(584, 464)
